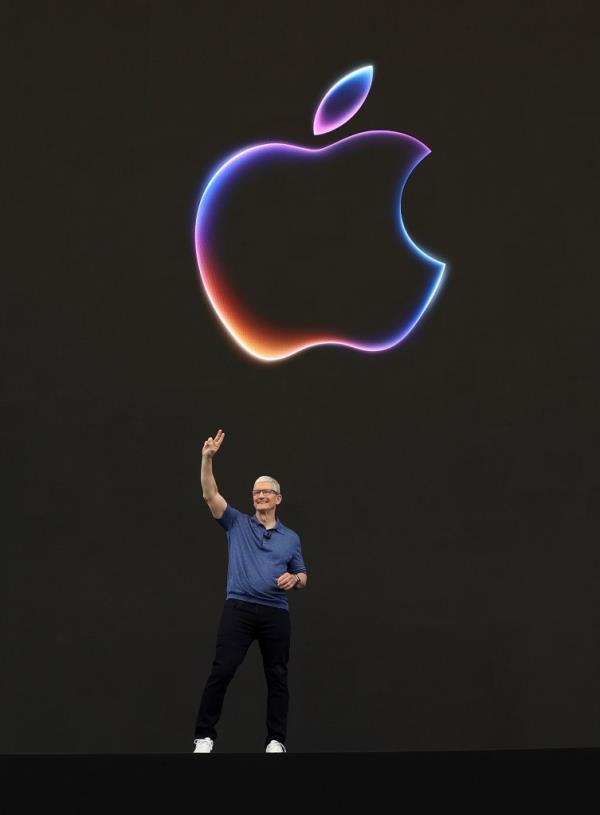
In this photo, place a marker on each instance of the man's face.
(264, 496)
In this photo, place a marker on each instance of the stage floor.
(295, 782)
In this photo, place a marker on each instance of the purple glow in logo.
(259, 337)
(343, 100)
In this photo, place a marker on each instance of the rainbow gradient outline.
(358, 84)
(256, 338)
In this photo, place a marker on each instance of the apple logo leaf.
(343, 100)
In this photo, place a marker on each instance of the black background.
(445, 491)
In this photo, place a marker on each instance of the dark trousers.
(241, 623)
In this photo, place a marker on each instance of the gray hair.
(273, 481)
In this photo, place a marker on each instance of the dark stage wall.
(445, 491)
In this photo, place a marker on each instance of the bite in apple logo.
(270, 337)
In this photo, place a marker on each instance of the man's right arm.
(216, 503)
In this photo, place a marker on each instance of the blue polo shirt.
(257, 557)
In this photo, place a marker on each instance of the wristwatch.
(298, 580)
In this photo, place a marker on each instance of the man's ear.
(279, 498)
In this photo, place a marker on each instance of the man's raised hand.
(210, 492)
(211, 445)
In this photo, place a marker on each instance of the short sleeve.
(296, 563)
(229, 518)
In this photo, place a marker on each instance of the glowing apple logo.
(269, 339)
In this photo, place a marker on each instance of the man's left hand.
(286, 581)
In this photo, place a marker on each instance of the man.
(265, 562)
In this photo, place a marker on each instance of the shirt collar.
(277, 528)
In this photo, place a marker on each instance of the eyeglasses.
(264, 492)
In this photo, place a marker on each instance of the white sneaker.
(203, 745)
(275, 747)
